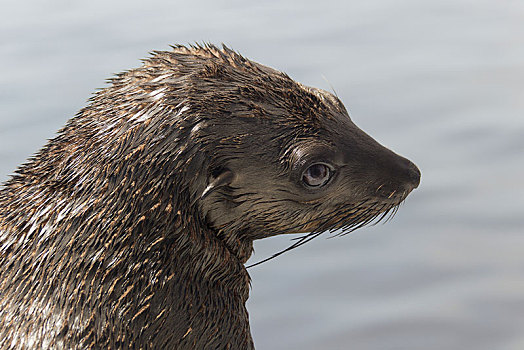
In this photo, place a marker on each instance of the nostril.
(413, 175)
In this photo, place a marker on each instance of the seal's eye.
(316, 175)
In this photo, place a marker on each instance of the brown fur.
(131, 227)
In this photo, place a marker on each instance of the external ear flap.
(223, 179)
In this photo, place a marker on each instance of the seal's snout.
(397, 175)
(414, 175)
(410, 174)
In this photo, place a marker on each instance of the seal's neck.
(237, 245)
(150, 266)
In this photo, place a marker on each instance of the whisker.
(351, 217)
(393, 213)
(304, 240)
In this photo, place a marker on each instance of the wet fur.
(120, 232)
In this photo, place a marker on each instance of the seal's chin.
(346, 218)
(343, 220)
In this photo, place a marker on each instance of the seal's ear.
(224, 178)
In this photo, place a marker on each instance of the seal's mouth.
(347, 218)
(350, 217)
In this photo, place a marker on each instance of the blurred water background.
(440, 82)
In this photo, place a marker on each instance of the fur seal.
(130, 229)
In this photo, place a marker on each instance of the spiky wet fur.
(104, 242)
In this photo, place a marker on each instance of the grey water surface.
(440, 82)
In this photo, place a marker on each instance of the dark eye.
(316, 175)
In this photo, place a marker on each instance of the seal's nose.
(414, 174)
(411, 174)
